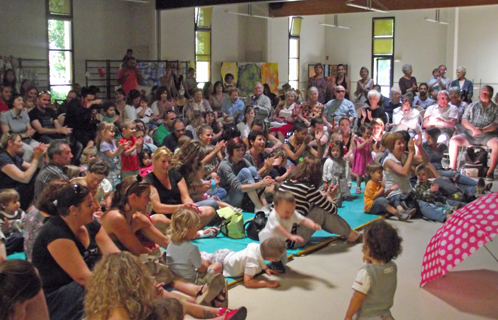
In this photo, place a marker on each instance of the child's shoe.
(404, 215)
(277, 266)
(235, 314)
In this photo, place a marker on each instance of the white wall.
(278, 46)
(177, 34)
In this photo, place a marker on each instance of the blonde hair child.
(109, 151)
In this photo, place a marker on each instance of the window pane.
(202, 70)
(60, 63)
(294, 84)
(293, 48)
(383, 27)
(203, 42)
(382, 74)
(203, 17)
(295, 26)
(59, 34)
(293, 69)
(383, 46)
(60, 7)
(59, 92)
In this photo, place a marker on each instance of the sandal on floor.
(358, 190)
(214, 289)
(212, 233)
(221, 300)
(235, 314)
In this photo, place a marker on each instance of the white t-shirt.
(447, 113)
(244, 129)
(147, 114)
(183, 259)
(130, 112)
(248, 261)
(274, 221)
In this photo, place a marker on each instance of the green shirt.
(160, 134)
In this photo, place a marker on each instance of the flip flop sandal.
(223, 302)
(358, 190)
(214, 288)
(235, 314)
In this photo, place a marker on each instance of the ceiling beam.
(175, 4)
(319, 7)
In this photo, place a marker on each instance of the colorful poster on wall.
(249, 74)
(269, 75)
(230, 67)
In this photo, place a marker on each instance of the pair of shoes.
(490, 177)
(404, 215)
(358, 190)
(488, 187)
(235, 314)
(212, 233)
(277, 266)
(216, 287)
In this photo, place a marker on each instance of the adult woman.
(406, 117)
(214, 123)
(17, 121)
(169, 189)
(9, 79)
(255, 155)
(407, 83)
(374, 110)
(284, 116)
(15, 173)
(267, 92)
(132, 103)
(245, 125)
(206, 90)
(305, 186)
(197, 104)
(217, 97)
(237, 176)
(168, 82)
(312, 108)
(363, 86)
(320, 83)
(120, 102)
(465, 86)
(21, 295)
(66, 249)
(297, 146)
(161, 104)
(342, 80)
(398, 170)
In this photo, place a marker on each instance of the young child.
(132, 145)
(182, 257)
(145, 159)
(29, 104)
(109, 152)
(11, 221)
(362, 155)
(280, 172)
(280, 222)
(148, 142)
(145, 114)
(109, 114)
(184, 140)
(375, 197)
(336, 171)
(87, 155)
(375, 283)
(250, 261)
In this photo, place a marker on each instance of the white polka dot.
(442, 262)
(425, 258)
(488, 200)
(449, 257)
(472, 250)
(484, 221)
(451, 237)
(492, 206)
(453, 228)
(460, 222)
(473, 220)
(495, 223)
(457, 251)
(423, 276)
(458, 231)
(491, 217)
(449, 267)
(457, 241)
(488, 228)
(457, 261)
(472, 239)
(486, 211)
(450, 247)
(465, 245)
(466, 225)
(443, 243)
(465, 235)
(480, 244)
(492, 235)
(472, 229)
(475, 211)
(431, 273)
(442, 252)
(464, 256)
(482, 206)
(445, 234)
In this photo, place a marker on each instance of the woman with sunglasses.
(66, 249)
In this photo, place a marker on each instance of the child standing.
(145, 114)
(362, 154)
(11, 221)
(375, 283)
(280, 222)
(109, 152)
(145, 158)
(375, 195)
(336, 171)
(182, 257)
(132, 145)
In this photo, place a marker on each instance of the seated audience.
(211, 120)
(284, 115)
(167, 81)
(132, 103)
(165, 128)
(5, 97)
(442, 115)
(456, 100)
(373, 109)
(44, 121)
(317, 126)
(171, 140)
(62, 110)
(407, 83)
(196, 105)
(273, 97)
(297, 146)
(245, 125)
(217, 97)
(423, 100)
(261, 103)
(233, 107)
(466, 86)
(321, 85)
(338, 108)
(11, 223)
(406, 118)
(313, 108)
(393, 103)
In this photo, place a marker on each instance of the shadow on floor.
(472, 291)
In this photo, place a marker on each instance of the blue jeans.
(468, 185)
(208, 203)
(245, 176)
(218, 192)
(433, 212)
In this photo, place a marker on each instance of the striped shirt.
(50, 172)
(306, 194)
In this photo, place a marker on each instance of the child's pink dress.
(361, 157)
(145, 170)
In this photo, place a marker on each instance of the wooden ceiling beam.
(318, 7)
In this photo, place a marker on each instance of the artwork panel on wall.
(249, 74)
(269, 75)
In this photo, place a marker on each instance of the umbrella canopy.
(468, 229)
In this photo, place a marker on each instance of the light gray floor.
(318, 286)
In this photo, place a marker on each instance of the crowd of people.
(91, 179)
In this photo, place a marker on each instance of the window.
(383, 53)
(60, 47)
(294, 41)
(203, 45)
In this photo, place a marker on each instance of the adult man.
(393, 103)
(338, 108)
(44, 121)
(479, 127)
(59, 155)
(261, 103)
(423, 100)
(61, 112)
(442, 115)
(5, 96)
(129, 76)
(165, 128)
(456, 100)
(233, 106)
(171, 141)
(80, 119)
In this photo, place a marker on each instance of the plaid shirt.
(479, 117)
(423, 190)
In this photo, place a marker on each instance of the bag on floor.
(409, 200)
(232, 224)
(157, 266)
(256, 225)
(475, 156)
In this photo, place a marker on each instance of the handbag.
(257, 224)
(232, 224)
(156, 264)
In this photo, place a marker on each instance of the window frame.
(298, 58)
(383, 56)
(198, 28)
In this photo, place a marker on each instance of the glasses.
(340, 91)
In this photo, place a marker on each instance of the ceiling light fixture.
(368, 7)
(335, 25)
(437, 19)
(248, 14)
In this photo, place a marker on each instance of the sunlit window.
(383, 53)
(203, 45)
(294, 41)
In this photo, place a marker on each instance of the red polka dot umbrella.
(467, 230)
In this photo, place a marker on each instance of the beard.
(423, 94)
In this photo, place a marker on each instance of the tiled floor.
(318, 286)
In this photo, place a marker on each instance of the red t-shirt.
(130, 82)
(129, 162)
(3, 107)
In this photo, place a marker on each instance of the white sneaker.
(265, 209)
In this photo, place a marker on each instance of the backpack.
(232, 223)
(476, 160)
(257, 224)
